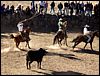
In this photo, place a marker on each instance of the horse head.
(28, 30)
(11, 36)
(96, 33)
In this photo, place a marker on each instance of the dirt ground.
(61, 60)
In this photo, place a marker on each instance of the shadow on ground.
(87, 51)
(57, 72)
(4, 36)
(69, 56)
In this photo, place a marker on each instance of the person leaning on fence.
(52, 7)
(41, 6)
(60, 6)
(66, 8)
(46, 6)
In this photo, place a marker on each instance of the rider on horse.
(62, 26)
(21, 29)
(86, 32)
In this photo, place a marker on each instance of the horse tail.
(74, 40)
(12, 36)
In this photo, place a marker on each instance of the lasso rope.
(36, 14)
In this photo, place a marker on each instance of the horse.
(61, 35)
(84, 38)
(18, 38)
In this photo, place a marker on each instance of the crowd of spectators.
(68, 8)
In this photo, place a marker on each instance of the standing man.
(66, 8)
(41, 6)
(45, 6)
(60, 6)
(32, 6)
(52, 11)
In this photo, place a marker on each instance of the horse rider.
(21, 29)
(87, 32)
(60, 24)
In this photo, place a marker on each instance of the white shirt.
(42, 3)
(86, 31)
(59, 24)
(20, 26)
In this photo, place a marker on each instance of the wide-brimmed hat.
(87, 26)
(60, 19)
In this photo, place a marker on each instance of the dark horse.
(61, 35)
(84, 38)
(18, 38)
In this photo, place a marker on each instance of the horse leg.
(28, 44)
(76, 43)
(17, 44)
(66, 41)
(60, 42)
(66, 38)
(85, 45)
(91, 45)
(54, 40)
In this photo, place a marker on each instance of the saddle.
(24, 36)
(88, 38)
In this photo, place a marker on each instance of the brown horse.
(61, 35)
(18, 38)
(84, 38)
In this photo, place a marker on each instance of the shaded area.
(67, 73)
(57, 72)
(23, 50)
(4, 36)
(49, 23)
(69, 56)
(87, 51)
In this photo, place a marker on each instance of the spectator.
(71, 8)
(7, 10)
(74, 8)
(91, 8)
(82, 8)
(66, 8)
(87, 9)
(96, 10)
(3, 9)
(60, 6)
(52, 11)
(46, 6)
(18, 10)
(32, 6)
(22, 10)
(28, 11)
(12, 9)
(41, 4)
(77, 8)
(36, 7)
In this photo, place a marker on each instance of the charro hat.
(87, 25)
(60, 19)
